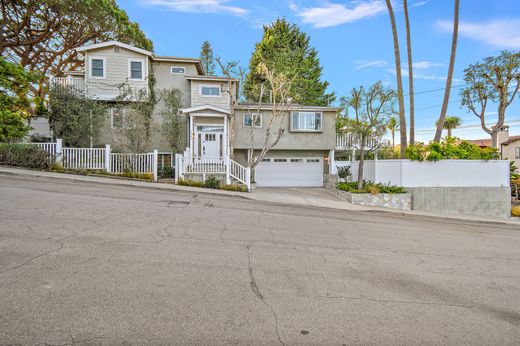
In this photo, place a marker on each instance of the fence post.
(59, 147)
(155, 164)
(107, 158)
(228, 169)
(177, 167)
(248, 178)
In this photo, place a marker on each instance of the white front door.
(208, 141)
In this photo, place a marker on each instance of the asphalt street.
(91, 264)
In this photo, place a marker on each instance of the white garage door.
(287, 171)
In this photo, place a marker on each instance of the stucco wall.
(508, 152)
(324, 140)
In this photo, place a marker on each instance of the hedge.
(24, 155)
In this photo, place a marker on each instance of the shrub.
(212, 182)
(24, 155)
(369, 187)
(450, 148)
(344, 172)
(515, 211)
(234, 187)
(188, 182)
(165, 172)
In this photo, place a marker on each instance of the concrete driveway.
(89, 264)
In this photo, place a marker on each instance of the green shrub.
(450, 148)
(515, 211)
(24, 155)
(344, 172)
(212, 182)
(188, 182)
(165, 172)
(234, 187)
(369, 187)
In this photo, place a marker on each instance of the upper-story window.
(97, 67)
(210, 91)
(517, 153)
(248, 120)
(306, 121)
(177, 70)
(135, 69)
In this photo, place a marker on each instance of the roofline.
(195, 61)
(215, 78)
(203, 107)
(114, 43)
(292, 107)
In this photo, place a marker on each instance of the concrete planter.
(401, 201)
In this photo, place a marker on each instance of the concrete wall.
(323, 140)
(493, 202)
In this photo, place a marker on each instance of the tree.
(447, 90)
(392, 126)
(402, 118)
(410, 74)
(42, 34)
(172, 125)
(495, 80)
(74, 117)
(15, 103)
(285, 49)
(450, 123)
(206, 57)
(372, 107)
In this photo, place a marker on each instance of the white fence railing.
(83, 158)
(239, 172)
(74, 83)
(200, 165)
(347, 141)
(135, 163)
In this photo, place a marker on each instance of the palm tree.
(402, 119)
(410, 72)
(450, 123)
(392, 126)
(447, 90)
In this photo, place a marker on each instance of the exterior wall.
(508, 152)
(401, 201)
(240, 155)
(116, 72)
(167, 80)
(324, 140)
(40, 126)
(198, 100)
(493, 202)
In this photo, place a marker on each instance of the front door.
(208, 141)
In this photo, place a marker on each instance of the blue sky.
(353, 39)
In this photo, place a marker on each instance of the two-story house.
(301, 158)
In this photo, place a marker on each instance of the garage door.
(289, 171)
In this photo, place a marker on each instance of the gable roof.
(196, 61)
(205, 107)
(480, 142)
(113, 43)
(213, 78)
(511, 139)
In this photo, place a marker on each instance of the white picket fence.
(83, 158)
(136, 163)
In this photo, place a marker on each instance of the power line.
(433, 90)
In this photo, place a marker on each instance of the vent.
(117, 49)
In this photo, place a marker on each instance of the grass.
(370, 187)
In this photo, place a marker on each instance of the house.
(302, 157)
(508, 146)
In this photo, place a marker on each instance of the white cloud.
(500, 33)
(330, 14)
(198, 6)
(418, 4)
(424, 65)
(364, 64)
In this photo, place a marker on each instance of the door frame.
(220, 137)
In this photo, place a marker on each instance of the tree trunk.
(402, 118)
(393, 139)
(447, 90)
(449, 133)
(361, 161)
(410, 73)
(494, 139)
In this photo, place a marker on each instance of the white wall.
(443, 173)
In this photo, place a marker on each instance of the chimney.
(502, 135)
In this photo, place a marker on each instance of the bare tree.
(402, 117)
(372, 107)
(447, 90)
(410, 72)
(495, 80)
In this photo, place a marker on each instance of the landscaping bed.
(376, 195)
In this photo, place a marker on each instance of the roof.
(479, 142)
(294, 106)
(195, 61)
(113, 43)
(205, 107)
(213, 78)
(511, 140)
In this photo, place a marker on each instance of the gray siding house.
(302, 157)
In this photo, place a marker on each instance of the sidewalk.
(309, 197)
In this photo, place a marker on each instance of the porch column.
(226, 138)
(191, 136)
(332, 163)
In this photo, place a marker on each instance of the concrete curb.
(251, 196)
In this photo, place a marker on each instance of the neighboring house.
(302, 157)
(508, 146)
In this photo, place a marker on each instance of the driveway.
(89, 264)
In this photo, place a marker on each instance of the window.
(296, 160)
(517, 153)
(119, 119)
(248, 120)
(177, 70)
(280, 160)
(135, 69)
(313, 160)
(306, 121)
(210, 91)
(266, 160)
(97, 67)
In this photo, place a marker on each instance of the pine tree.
(206, 56)
(285, 49)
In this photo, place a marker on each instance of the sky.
(354, 42)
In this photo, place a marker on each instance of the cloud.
(417, 4)
(198, 6)
(424, 65)
(423, 75)
(364, 64)
(331, 14)
(500, 33)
